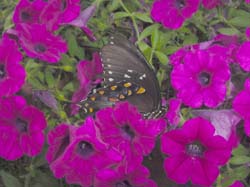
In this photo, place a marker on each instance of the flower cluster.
(106, 151)
(173, 13)
(36, 21)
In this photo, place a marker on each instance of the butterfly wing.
(123, 61)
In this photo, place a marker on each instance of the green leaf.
(241, 172)
(240, 150)
(74, 49)
(155, 38)
(9, 180)
(162, 57)
(228, 31)
(237, 160)
(8, 22)
(147, 32)
(240, 21)
(49, 78)
(43, 179)
(119, 15)
(143, 17)
(68, 68)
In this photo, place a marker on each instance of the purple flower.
(172, 13)
(224, 122)
(59, 12)
(28, 11)
(210, 4)
(12, 73)
(39, 43)
(83, 156)
(243, 57)
(139, 177)
(173, 113)
(82, 20)
(21, 128)
(222, 45)
(194, 148)
(201, 79)
(247, 1)
(241, 104)
(124, 124)
(59, 139)
(237, 184)
(88, 74)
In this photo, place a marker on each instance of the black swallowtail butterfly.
(127, 76)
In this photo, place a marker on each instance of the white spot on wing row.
(130, 70)
(142, 77)
(127, 76)
(111, 79)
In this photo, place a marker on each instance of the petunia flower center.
(204, 78)
(2, 71)
(21, 125)
(25, 16)
(195, 149)
(180, 4)
(124, 183)
(40, 48)
(85, 149)
(128, 131)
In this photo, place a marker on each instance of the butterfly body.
(127, 76)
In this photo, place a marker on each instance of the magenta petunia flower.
(237, 184)
(243, 57)
(12, 73)
(194, 148)
(88, 74)
(28, 11)
(210, 4)
(85, 154)
(224, 121)
(124, 124)
(59, 12)
(247, 1)
(58, 140)
(172, 13)
(39, 43)
(241, 104)
(173, 113)
(139, 177)
(82, 20)
(21, 128)
(201, 79)
(223, 45)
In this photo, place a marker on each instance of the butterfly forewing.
(122, 61)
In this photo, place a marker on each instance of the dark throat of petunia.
(21, 125)
(85, 149)
(25, 16)
(195, 149)
(204, 78)
(179, 4)
(40, 48)
(2, 71)
(124, 183)
(128, 131)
